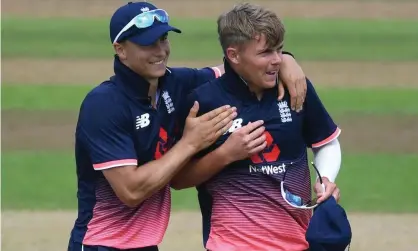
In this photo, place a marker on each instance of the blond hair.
(246, 21)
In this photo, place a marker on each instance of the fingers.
(221, 131)
(281, 90)
(258, 148)
(336, 194)
(194, 110)
(257, 141)
(305, 88)
(323, 197)
(223, 119)
(293, 95)
(329, 190)
(251, 127)
(212, 114)
(224, 125)
(253, 136)
(256, 133)
(300, 97)
(319, 190)
(301, 92)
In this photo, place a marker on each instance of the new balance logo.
(142, 121)
(284, 112)
(144, 9)
(236, 124)
(168, 102)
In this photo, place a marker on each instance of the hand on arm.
(241, 144)
(135, 184)
(293, 78)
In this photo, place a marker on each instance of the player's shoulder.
(179, 76)
(187, 73)
(108, 88)
(210, 88)
(182, 70)
(179, 72)
(209, 95)
(103, 96)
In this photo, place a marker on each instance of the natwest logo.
(268, 169)
(269, 154)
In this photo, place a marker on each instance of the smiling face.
(252, 40)
(257, 62)
(148, 61)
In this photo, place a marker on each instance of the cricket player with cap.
(124, 147)
(253, 183)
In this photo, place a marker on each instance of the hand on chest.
(283, 127)
(276, 117)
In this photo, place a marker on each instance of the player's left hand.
(293, 78)
(330, 189)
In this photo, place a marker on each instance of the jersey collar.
(134, 84)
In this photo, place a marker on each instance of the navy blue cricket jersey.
(242, 206)
(117, 126)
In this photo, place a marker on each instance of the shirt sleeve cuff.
(115, 163)
(217, 72)
(333, 136)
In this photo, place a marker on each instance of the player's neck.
(152, 91)
(256, 90)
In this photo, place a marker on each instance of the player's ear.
(232, 55)
(120, 50)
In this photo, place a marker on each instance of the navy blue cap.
(145, 36)
(329, 228)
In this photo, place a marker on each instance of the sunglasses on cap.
(145, 20)
(295, 200)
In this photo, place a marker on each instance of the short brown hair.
(245, 21)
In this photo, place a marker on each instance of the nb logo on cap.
(144, 9)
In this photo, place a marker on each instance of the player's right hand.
(201, 132)
(331, 189)
(245, 141)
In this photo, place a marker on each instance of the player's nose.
(276, 58)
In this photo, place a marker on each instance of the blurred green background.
(38, 174)
(361, 55)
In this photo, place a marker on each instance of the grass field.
(329, 39)
(339, 100)
(358, 67)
